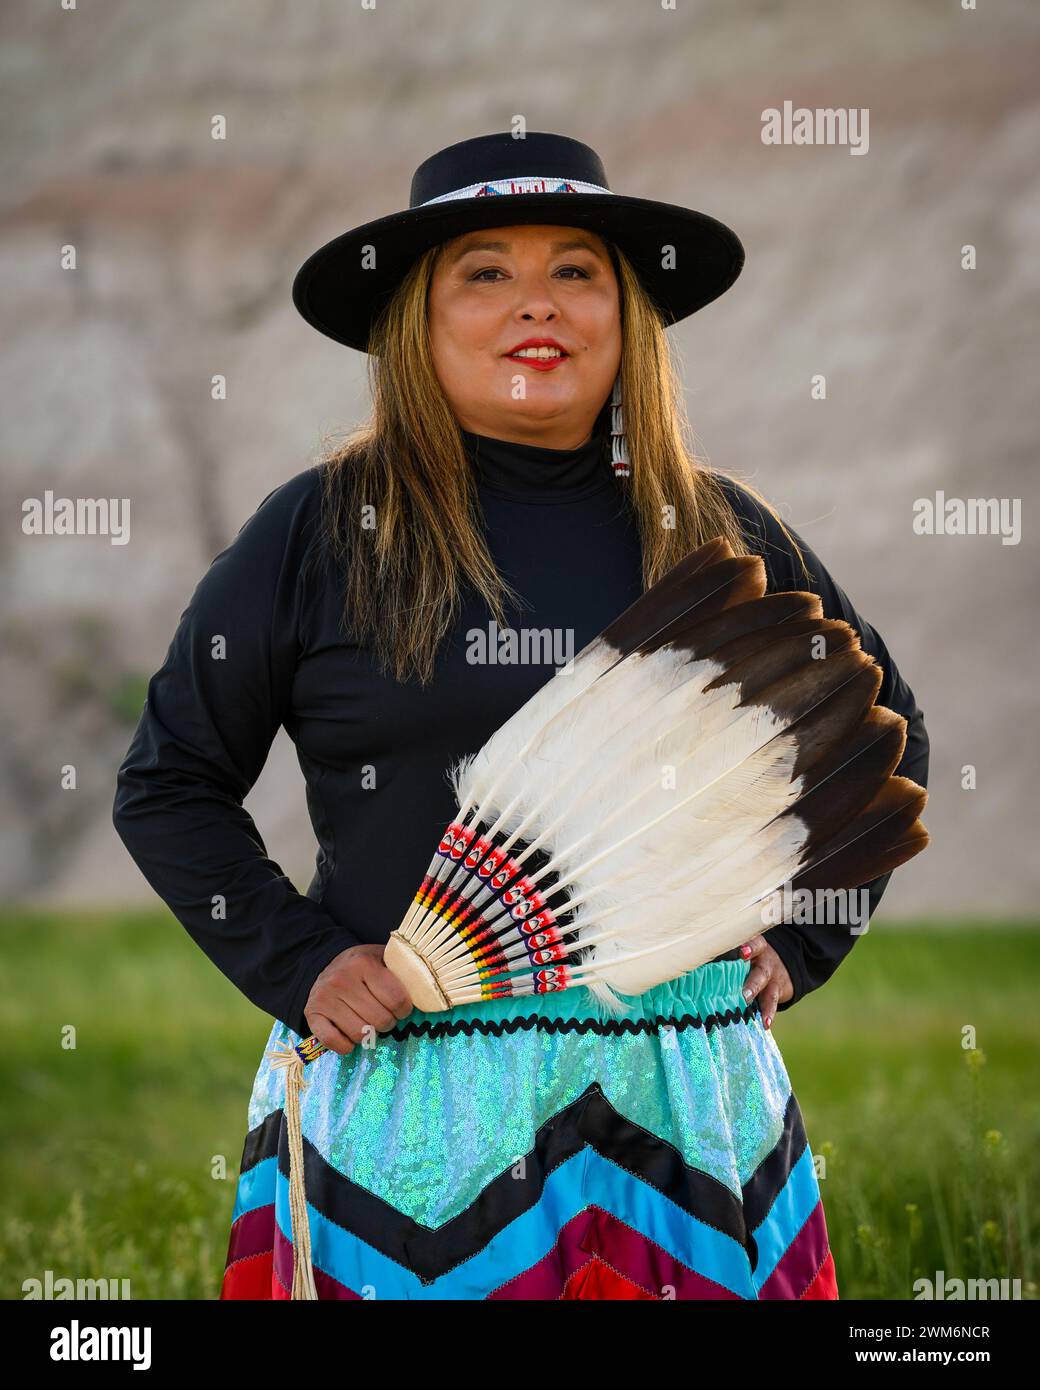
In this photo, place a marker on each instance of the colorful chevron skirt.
(543, 1151)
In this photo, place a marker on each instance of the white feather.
(657, 803)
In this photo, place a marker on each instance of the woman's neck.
(536, 472)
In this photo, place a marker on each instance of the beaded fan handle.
(518, 916)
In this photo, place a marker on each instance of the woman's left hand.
(768, 978)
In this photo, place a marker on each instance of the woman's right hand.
(354, 995)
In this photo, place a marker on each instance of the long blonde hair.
(400, 511)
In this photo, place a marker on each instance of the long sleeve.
(210, 717)
(812, 951)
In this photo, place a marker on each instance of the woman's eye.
(493, 270)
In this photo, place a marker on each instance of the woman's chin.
(546, 400)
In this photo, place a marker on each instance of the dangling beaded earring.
(618, 449)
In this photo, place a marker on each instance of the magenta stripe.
(596, 1232)
(251, 1234)
(646, 1264)
(800, 1261)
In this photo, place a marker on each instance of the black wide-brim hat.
(685, 259)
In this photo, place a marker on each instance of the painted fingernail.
(748, 994)
(769, 1019)
(745, 950)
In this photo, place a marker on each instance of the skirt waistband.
(712, 989)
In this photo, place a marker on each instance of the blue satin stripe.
(255, 1187)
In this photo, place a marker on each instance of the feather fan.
(633, 819)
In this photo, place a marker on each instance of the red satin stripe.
(249, 1278)
(599, 1281)
(825, 1285)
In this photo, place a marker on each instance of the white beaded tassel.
(618, 449)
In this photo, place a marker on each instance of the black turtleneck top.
(260, 646)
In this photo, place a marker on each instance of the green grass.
(915, 1068)
(932, 1150)
(110, 1147)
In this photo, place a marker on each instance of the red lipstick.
(540, 364)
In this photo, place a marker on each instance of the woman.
(391, 607)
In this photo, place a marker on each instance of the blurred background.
(185, 248)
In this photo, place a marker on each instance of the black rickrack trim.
(612, 1028)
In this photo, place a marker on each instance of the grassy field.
(121, 1153)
